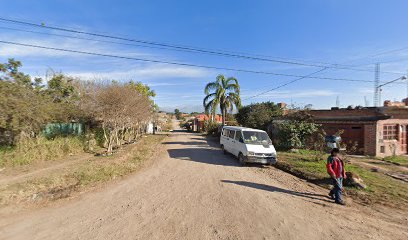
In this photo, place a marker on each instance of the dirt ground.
(193, 191)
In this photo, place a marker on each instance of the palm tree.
(222, 93)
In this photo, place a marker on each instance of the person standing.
(335, 168)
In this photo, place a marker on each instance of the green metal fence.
(63, 129)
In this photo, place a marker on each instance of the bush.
(211, 128)
(297, 130)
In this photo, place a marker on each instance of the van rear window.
(231, 134)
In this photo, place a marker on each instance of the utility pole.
(376, 85)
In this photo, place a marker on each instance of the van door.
(231, 141)
(224, 138)
(239, 146)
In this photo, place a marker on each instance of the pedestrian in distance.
(335, 168)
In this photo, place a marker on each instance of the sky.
(315, 33)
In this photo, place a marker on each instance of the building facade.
(375, 131)
(198, 121)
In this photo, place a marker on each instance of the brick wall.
(370, 139)
(389, 147)
(353, 135)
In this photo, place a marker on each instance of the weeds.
(40, 149)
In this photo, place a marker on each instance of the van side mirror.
(241, 140)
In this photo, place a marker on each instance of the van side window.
(225, 133)
(231, 134)
(238, 135)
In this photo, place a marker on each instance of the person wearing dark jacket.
(335, 168)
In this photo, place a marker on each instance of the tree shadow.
(269, 188)
(203, 155)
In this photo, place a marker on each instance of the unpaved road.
(193, 191)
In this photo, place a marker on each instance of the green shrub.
(211, 128)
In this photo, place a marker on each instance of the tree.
(62, 88)
(142, 88)
(24, 109)
(121, 110)
(177, 113)
(11, 72)
(222, 93)
(258, 115)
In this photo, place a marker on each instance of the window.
(382, 149)
(389, 132)
(238, 135)
(226, 132)
(260, 138)
(231, 134)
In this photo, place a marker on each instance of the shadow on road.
(269, 188)
(179, 130)
(203, 155)
(186, 143)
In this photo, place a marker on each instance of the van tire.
(223, 150)
(241, 159)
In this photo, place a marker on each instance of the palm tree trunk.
(223, 115)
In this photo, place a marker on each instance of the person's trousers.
(336, 191)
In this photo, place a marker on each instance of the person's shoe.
(341, 203)
(331, 196)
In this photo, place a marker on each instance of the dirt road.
(193, 191)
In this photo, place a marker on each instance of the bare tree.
(122, 110)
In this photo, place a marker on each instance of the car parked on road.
(248, 145)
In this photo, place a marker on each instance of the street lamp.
(386, 83)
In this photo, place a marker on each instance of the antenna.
(376, 85)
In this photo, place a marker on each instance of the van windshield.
(252, 137)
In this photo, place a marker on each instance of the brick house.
(198, 121)
(375, 131)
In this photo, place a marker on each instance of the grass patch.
(398, 160)
(381, 189)
(79, 177)
(40, 149)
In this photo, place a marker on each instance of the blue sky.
(329, 31)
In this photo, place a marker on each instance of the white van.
(248, 145)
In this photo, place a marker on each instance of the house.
(198, 121)
(375, 131)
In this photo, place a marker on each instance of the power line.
(186, 48)
(179, 63)
(84, 38)
(285, 84)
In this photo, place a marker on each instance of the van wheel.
(241, 159)
(223, 149)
